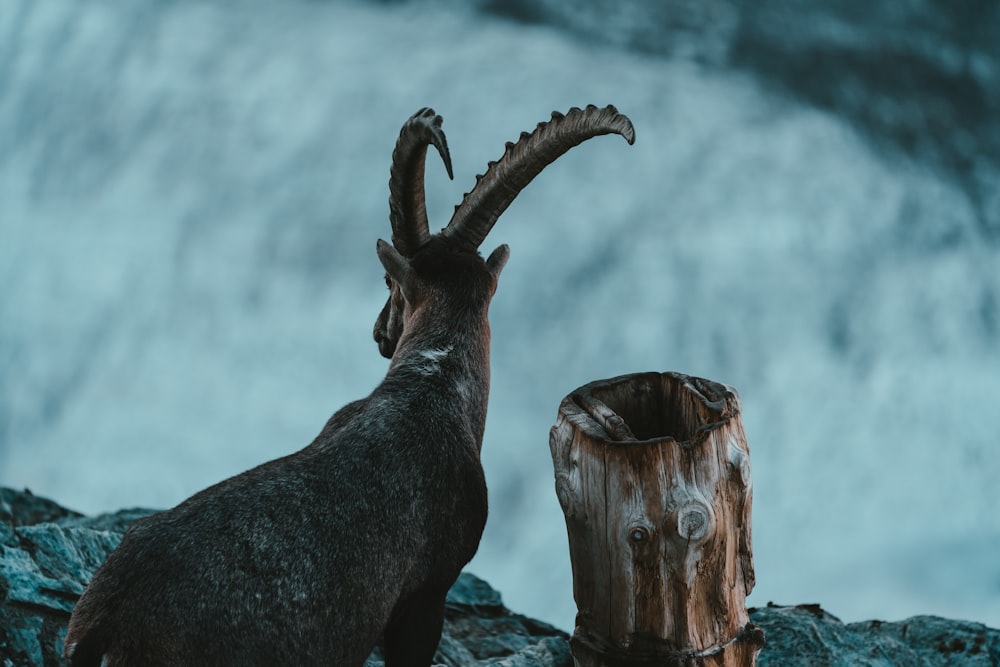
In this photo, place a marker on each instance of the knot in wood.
(694, 521)
(638, 535)
(567, 492)
(740, 462)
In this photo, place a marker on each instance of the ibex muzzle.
(314, 558)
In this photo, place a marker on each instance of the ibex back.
(314, 558)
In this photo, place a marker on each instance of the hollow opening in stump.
(658, 406)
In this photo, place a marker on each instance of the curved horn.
(407, 210)
(521, 162)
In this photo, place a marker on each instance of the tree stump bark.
(653, 475)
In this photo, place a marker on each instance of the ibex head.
(414, 246)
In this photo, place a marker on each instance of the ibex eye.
(388, 283)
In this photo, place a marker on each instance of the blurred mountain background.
(190, 193)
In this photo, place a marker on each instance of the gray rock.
(49, 553)
(808, 635)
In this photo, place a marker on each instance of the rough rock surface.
(808, 635)
(48, 553)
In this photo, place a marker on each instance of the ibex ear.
(398, 268)
(498, 259)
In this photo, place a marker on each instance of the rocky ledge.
(49, 554)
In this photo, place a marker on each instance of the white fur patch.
(464, 388)
(432, 360)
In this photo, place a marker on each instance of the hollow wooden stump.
(653, 475)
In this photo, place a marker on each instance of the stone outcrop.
(808, 635)
(48, 553)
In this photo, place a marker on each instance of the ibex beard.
(314, 558)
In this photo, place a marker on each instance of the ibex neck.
(455, 351)
(450, 360)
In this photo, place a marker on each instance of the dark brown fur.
(313, 558)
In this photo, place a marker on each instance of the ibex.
(314, 558)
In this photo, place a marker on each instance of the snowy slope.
(190, 194)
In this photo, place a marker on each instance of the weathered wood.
(653, 475)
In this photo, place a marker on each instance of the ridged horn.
(407, 208)
(522, 161)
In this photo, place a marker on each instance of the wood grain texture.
(653, 475)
